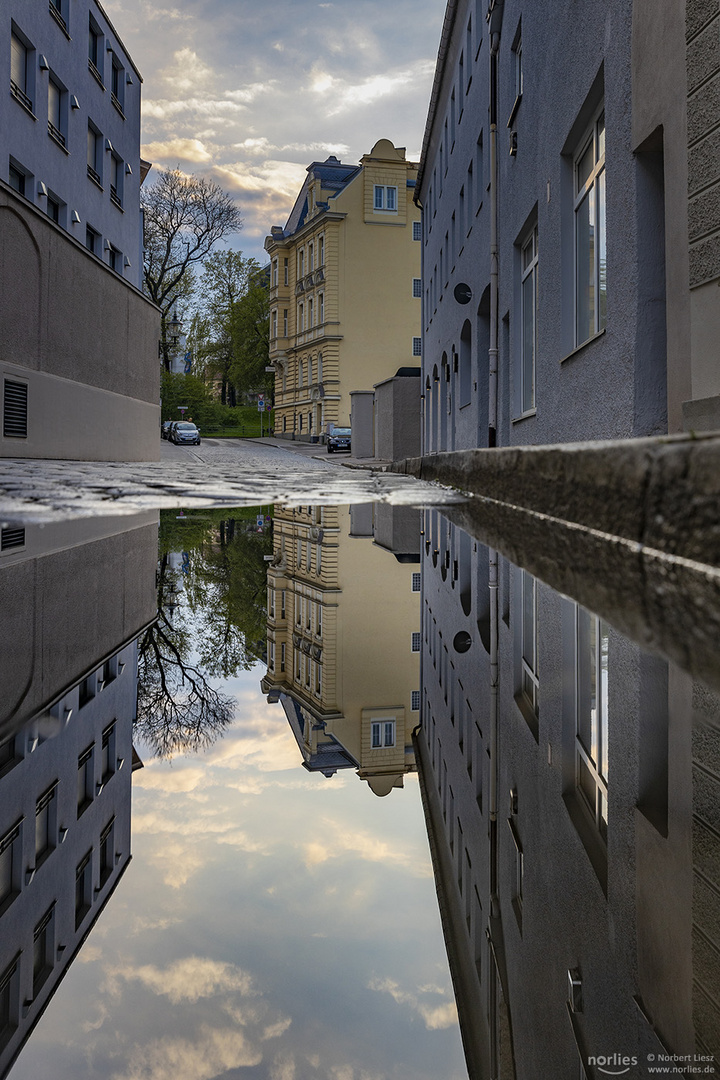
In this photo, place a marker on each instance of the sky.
(272, 925)
(250, 93)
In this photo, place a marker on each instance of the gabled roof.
(333, 176)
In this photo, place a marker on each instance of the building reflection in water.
(344, 637)
(73, 604)
(577, 873)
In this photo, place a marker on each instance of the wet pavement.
(229, 472)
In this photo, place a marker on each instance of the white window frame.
(593, 190)
(382, 733)
(385, 198)
(528, 274)
(417, 230)
(417, 346)
(416, 641)
(591, 683)
(417, 288)
(529, 641)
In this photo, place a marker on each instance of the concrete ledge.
(663, 493)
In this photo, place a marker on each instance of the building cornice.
(448, 26)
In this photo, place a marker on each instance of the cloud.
(211, 1053)
(176, 150)
(339, 840)
(437, 1016)
(189, 979)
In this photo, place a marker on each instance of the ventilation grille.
(12, 538)
(15, 410)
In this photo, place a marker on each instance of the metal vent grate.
(15, 410)
(12, 538)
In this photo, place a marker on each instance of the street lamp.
(174, 325)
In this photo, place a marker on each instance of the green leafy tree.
(251, 336)
(184, 218)
(224, 283)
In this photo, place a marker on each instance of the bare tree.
(177, 709)
(185, 217)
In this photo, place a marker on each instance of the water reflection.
(343, 637)
(68, 686)
(272, 917)
(575, 861)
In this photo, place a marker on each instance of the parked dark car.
(165, 429)
(339, 439)
(184, 433)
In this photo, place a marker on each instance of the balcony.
(115, 198)
(57, 16)
(116, 103)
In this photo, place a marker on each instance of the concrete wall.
(67, 603)
(397, 418)
(84, 341)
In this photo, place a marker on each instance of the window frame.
(593, 760)
(528, 272)
(593, 188)
(385, 198)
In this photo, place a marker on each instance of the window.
(9, 1000)
(417, 288)
(10, 865)
(416, 641)
(591, 729)
(108, 754)
(83, 889)
(85, 780)
(417, 346)
(286, 271)
(301, 263)
(417, 230)
(92, 240)
(21, 70)
(107, 851)
(321, 251)
(285, 322)
(415, 701)
(16, 179)
(94, 154)
(311, 258)
(282, 656)
(528, 305)
(321, 308)
(274, 272)
(117, 85)
(382, 733)
(57, 119)
(301, 321)
(45, 824)
(95, 50)
(274, 324)
(57, 12)
(589, 207)
(114, 258)
(43, 949)
(529, 649)
(116, 181)
(385, 198)
(53, 209)
(416, 581)
(310, 318)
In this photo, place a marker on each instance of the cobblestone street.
(218, 473)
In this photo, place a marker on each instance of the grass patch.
(248, 426)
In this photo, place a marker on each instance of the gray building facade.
(78, 339)
(562, 159)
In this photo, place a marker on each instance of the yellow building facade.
(345, 289)
(343, 645)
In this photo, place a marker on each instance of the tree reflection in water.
(211, 585)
